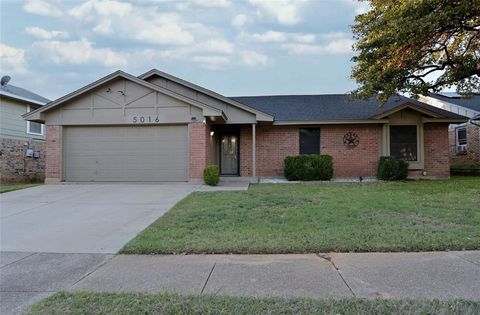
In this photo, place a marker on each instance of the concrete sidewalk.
(27, 277)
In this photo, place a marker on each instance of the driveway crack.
(208, 278)
(95, 269)
(13, 262)
(329, 259)
(467, 260)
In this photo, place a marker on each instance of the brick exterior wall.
(436, 160)
(472, 155)
(15, 167)
(53, 165)
(273, 143)
(246, 150)
(361, 160)
(199, 149)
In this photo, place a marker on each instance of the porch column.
(254, 152)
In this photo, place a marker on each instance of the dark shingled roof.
(18, 92)
(329, 107)
(472, 102)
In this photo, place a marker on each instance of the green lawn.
(302, 218)
(11, 187)
(141, 303)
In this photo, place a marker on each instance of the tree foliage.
(417, 46)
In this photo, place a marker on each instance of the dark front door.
(229, 154)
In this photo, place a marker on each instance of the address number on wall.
(145, 119)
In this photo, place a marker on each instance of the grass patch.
(142, 303)
(306, 218)
(11, 187)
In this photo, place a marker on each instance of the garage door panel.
(133, 153)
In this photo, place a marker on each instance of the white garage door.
(133, 153)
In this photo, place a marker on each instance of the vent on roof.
(450, 94)
(4, 80)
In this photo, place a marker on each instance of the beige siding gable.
(122, 101)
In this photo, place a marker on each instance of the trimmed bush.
(211, 175)
(389, 168)
(308, 167)
(402, 170)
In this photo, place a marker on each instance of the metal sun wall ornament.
(351, 139)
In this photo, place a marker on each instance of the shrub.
(389, 168)
(402, 170)
(308, 167)
(211, 175)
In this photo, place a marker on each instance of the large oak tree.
(416, 47)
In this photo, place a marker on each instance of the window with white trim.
(461, 138)
(34, 128)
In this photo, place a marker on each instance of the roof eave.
(402, 107)
(260, 116)
(445, 120)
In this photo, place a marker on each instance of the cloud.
(41, 7)
(143, 24)
(79, 52)
(240, 20)
(286, 12)
(253, 58)
(212, 3)
(277, 37)
(337, 46)
(90, 9)
(359, 7)
(335, 35)
(211, 62)
(12, 60)
(44, 34)
(213, 45)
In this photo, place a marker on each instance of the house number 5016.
(145, 119)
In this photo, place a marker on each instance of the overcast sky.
(251, 47)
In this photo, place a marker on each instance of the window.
(461, 139)
(309, 140)
(461, 133)
(403, 142)
(34, 127)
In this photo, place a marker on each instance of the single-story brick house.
(157, 127)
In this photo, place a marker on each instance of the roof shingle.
(21, 93)
(329, 107)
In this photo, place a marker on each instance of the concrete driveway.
(84, 218)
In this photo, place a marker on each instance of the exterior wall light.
(212, 133)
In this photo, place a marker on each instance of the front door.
(229, 154)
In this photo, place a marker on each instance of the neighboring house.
(22, 147)
(157, 127)
(464, 139)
